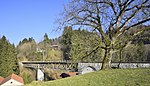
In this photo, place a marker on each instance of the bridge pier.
(40, 75)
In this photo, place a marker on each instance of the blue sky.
(21, 19)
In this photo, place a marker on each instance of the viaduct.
(79, 67)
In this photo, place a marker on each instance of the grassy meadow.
(112, 77)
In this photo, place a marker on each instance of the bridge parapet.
(131, 65)
(89, 67)
(51, 65)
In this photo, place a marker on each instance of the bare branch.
(119, 3)
(105, 2)
(132, 26)
(138, 8)
(121, 12)
(93, 13)
(137, 24)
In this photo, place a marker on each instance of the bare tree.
(114, 16)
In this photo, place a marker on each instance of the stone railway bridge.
(79, 67)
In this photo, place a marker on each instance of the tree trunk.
(106, 64)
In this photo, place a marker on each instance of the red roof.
(72, 73)
(68, 74)
(1, 79)
(13, 76)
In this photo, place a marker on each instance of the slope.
(114, 77)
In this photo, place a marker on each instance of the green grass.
(114, 77)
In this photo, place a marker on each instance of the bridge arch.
(88, 69)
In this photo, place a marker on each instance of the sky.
(21, 19)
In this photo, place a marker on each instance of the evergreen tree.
(8, 58)
(46, 38)
(78, 44)
(25, 40)
(82, 45)
(46, 45)
(66, 42)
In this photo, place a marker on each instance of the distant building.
(55, 47)
(12, 80)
